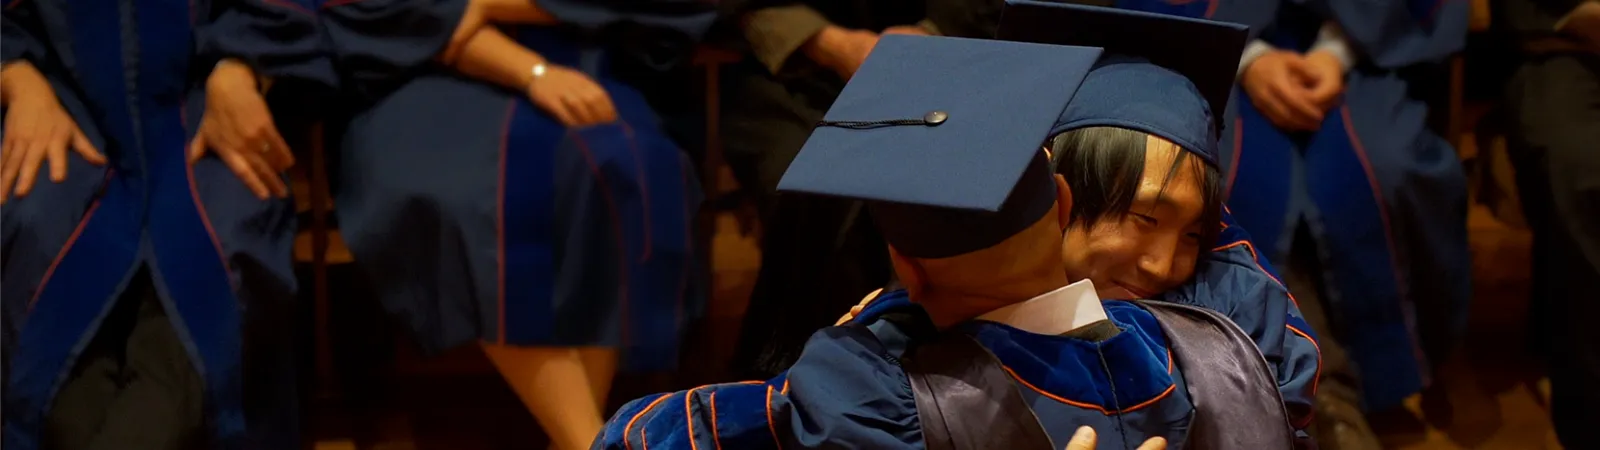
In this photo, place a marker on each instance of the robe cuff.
(1331, 39)
(1253, 50)
(776, 33)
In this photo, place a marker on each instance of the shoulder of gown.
(1236, 281)
(847, 389)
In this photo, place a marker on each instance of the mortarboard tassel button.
(935, 117)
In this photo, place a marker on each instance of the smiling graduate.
(989, 345)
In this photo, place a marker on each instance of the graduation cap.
(942, 137)
(1162, 74)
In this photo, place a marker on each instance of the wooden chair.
(318, 245)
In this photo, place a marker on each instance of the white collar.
(1056, 312)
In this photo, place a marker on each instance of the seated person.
(982, 278)
(503, 186)
(148, 293)
(1334, 166)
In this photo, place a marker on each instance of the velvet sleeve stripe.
(733, 416)
(1299, 372)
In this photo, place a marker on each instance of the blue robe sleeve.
(1236, 282)
(281, 39)
(379, 43)
(19, 34)
(1399, 33)
(841, 393)
(732, 415)
(690, 17)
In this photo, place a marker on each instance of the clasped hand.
(1294, 91)
(572, 97)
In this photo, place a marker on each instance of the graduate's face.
(1154, 247)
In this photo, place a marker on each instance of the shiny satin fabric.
(966, 401)
(1235, 398)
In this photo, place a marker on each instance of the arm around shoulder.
(733, 415)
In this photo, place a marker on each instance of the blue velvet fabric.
(219, 257)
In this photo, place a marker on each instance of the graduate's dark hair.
(1103, 166)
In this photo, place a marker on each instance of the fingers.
(56, 153)
(1155, 443)
(601, 108)
(579, 110)
(31, 159)
(278, 154)
(1297, 109)
(1083, 439)
(572, 98)
(197, 148)
(1303, 71)
(268, 175)
(590, 108)
(15, 149)
(84, 148)
(246, 172)
(1321, 86)
(563, 114)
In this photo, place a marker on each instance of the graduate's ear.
(909, 273)
(1063, 202)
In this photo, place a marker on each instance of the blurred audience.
(1554, 106)
(1336, 174)
(500, 186)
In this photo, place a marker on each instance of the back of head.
(942, 137)
(1011, 253)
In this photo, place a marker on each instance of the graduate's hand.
(37, 129)
(1085, 438)
(572, 97)
(1324, 77)
(1276, 84)
(841, 49)
(238, 128)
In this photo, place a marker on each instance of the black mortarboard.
(1161, 74)
(942, 137)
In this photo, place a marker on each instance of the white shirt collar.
(1056, 312)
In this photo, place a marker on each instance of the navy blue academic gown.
(847, 388)
(1384, 197)
(1234, 279)
(129, 74)
(479, 217)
